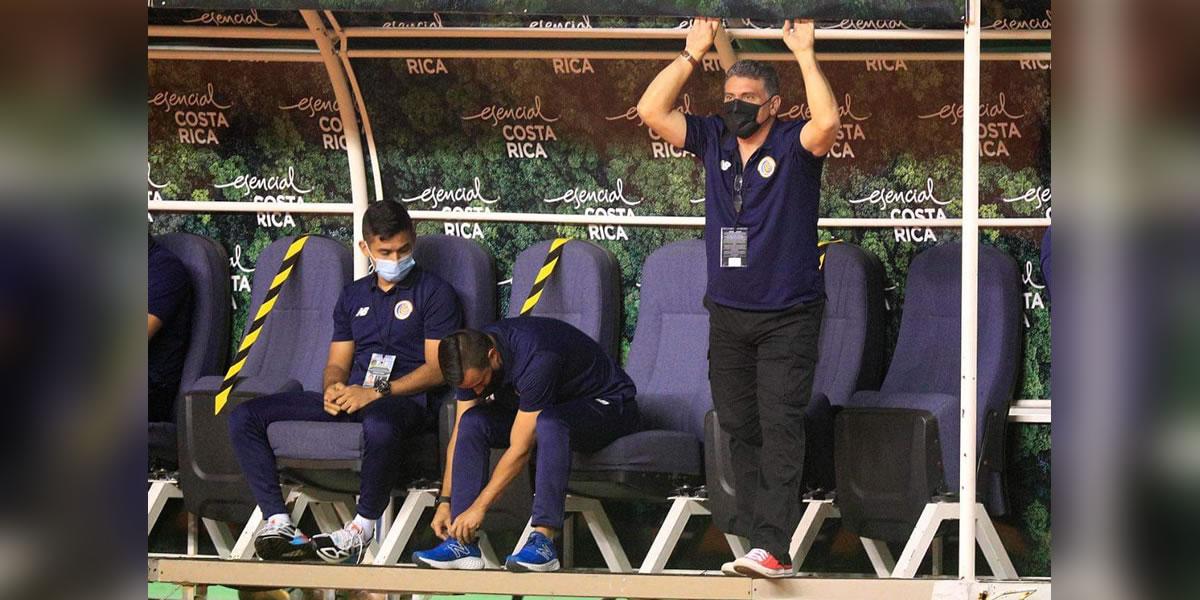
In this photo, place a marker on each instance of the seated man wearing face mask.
(523, 382)
(383, 356)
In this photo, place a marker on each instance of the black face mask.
(741, 117)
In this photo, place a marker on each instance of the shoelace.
(278, 527)
(348, 537)
(758, 555)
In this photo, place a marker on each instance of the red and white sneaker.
(758, 564)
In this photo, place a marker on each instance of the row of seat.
(887, 444)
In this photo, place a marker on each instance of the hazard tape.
(539, 282)
(821, 247)
(285, 270)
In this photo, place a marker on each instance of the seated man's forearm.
(333, 375)
(418, 380)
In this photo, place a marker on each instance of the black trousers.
(761, 367)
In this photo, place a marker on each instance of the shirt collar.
(406, 283)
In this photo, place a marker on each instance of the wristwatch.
(690, 58)
(383, 386)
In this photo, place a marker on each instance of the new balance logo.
(362, 312)
(459, 550)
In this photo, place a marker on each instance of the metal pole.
(354, 151)
(970, 293)
(376, 175)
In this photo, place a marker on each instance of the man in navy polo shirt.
(765, 290)
(523, 382)
(383, 357)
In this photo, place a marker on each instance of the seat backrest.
(207, 265)
(585, 289)
(668, 358)
(468, 268)
(852, 329)
(295, 340)
(926, 359)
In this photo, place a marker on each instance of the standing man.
(765, 290)
(383, 357)
(523, 382)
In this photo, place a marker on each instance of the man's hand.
(798, 35)
(467, 524)
(355, 397)
(441, 521)
(332, 393)
(700, 36)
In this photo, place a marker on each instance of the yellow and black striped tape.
(821, 248)
(539, 282)
(285, 270)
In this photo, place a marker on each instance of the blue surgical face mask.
(393, 270)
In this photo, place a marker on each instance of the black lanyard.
(737, 188)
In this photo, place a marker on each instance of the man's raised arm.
(656, 107)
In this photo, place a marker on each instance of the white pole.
(970, 293)
(354, 151)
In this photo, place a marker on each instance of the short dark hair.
(386, 218)
(464, 349)
(756, 69)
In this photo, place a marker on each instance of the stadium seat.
(585, 289)
(207, 266)
(290, 355)
(470, 270)
(851, 357)
(897, 448)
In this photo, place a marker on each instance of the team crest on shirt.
(766, 167)
(404, 308)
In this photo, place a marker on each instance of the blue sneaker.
(450, 554)
(538, 555)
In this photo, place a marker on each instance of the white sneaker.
(728, 569)
(344, 546)
(760, 564)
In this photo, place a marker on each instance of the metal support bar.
(646, 33)
(415, 504)
(682, 510)
(157, 496)
(880, 556)
(342, 208)
(601, 528)
(354, 151)
(926, 530)
(970, 293)
(816, 512)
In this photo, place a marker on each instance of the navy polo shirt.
(419, 307)
(781, 191)
(548, 362)
(168, 297)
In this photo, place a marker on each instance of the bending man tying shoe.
(523, 383)
(383, 356)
